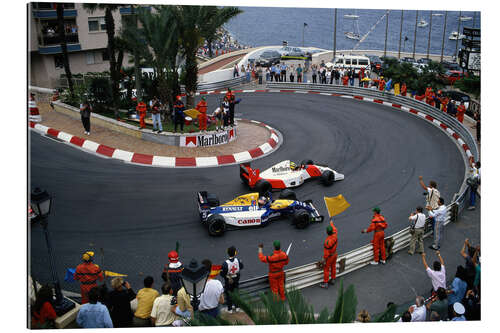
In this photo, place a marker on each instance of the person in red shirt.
(403, 89)
(461, 112)
(377, 225)
(42, 312)
(345, 80)
(276, 274)
(329, 256)
(381, 84)
(141, 108)
(87, 273)
(202, 117)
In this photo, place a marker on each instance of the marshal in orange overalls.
(87, 273)
(381, 84)
(461, 113)
(330, 255)
(276, 274)
(377, 226)
(403, 89)
(141, 108)
(202, 117)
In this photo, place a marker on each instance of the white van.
(352, 61)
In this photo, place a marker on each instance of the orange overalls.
(460, 113)
(429, 96)
(202, 117)
(276, 275)
(377, 226)
(403, 89)
(141, 108)
(381, 85)
(330, 256)
(87, 273)
(345, 79)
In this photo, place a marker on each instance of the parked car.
(375, 62)
(457, 97)
(268, 58)
(452, 66)
(408, 59)
(450, 77)
(424, 61)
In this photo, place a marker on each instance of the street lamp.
(41, 203)
(194, 277)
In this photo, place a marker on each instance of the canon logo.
(248, 221)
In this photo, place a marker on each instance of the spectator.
(161, 314)
(299, 74)
(42, 312)
(259, 73)
(292, 73)
(438, 274)
(470, 267)
(85, 110)
(417, 223)
(119, 300)
(477, 118)
(87, 273)
(457, 289)
(435, 316)
(94, 314)
(235, 71)
(363, 317)
(183, 308)
(212, 295)
(145, 298)
(440, 218)
(247, 72)
(477, 263)
(406, 317)
(328, 76)
(231, 273)
(439, 304)
(268, 74)
(472, 305)
(418, 311)
(172, 273)
(351, 77)
(154, 105)
(458, 312)
(179, 113)
(283, 72)
(314, 73)
(474, 181)
(337, 76)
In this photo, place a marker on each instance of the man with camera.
(417, 223)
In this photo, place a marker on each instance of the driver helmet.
(262, 200)
(293, 166)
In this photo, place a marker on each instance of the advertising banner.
(208, 140)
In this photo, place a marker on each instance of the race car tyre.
(306, 162)
(301, 219)
(216, 225)
(212, 200)
(327, 177)
(263, 186)
(288, 194)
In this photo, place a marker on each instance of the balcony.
(53, 39)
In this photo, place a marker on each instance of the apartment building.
(86, 40)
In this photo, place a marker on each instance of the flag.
(215, 271)
(109, 273)
(336, 205)
(388, 85)
(305, 24)
(70, 272)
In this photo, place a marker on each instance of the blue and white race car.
(252, 210)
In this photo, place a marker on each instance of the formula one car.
(253, 210)
(286, 174)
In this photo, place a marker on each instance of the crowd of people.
(224, 44)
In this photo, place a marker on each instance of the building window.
(90, 58)
(59, 61)
(97, 24)
(105, 55)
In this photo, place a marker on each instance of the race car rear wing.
(248, 175)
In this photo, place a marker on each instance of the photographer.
(417, 223)
(119, 301)
(431, 195)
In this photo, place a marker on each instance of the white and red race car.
(286, 174)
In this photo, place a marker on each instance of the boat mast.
(400, 35)
(334, 34)
(429, 38)
(415, 35)
(386, 28)
(444, 34)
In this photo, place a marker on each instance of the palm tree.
(193, 22)
(269, 310)
(114, 63)
(64, 47)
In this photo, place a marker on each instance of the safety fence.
(235, 82)
(311, 274)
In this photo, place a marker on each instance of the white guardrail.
(310, 274)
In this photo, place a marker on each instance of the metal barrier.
(309, 274)
(219, 85)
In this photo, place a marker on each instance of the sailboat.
(465, 18)
(351, 16)
(422, 24)
(437, 14)
(354, 34)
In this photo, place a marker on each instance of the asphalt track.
(137, 213)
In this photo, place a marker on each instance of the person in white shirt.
(473, 181)
(418, 310)
(439, 215)
(161, 314)
(438, 275)
(212, 295)
(417, 223)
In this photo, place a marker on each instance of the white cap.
(458, 308)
